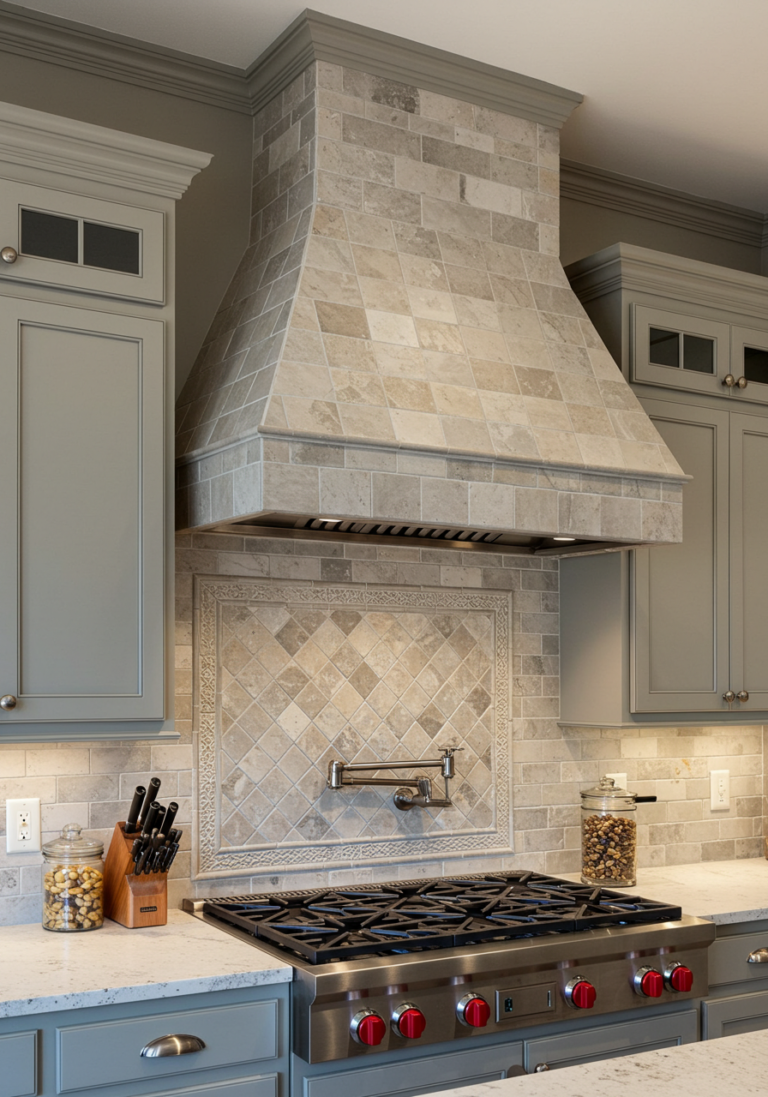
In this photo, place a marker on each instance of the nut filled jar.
(608, 835)
(73, 882)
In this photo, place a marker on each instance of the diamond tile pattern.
(300, 685)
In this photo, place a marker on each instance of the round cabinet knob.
(649, 982)
(473, 1010)
(580, 994)
(408, 1021)
(742, 382)
(9, 255)
(742, 695)
(8, 702)
(729, 380)
(679, 978)
(368, 1028)
(729, 696)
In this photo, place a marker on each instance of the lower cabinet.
(236, 1041)
(738, 981)
(490, 1059)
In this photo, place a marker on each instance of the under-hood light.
(563, 538)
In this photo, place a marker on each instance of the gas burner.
(323, 926)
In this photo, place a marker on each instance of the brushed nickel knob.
(742, 695)
(759, 956)
(729, 696)
(9, 255)
(729, 380)
(8, 702)
(181, 1044)
(742, 382)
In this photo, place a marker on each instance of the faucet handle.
(449, 767)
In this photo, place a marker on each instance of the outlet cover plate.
(22, 825)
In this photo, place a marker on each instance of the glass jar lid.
(608, 795)
(70, 847)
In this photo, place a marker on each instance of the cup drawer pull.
(172, 1045)
(759, 956)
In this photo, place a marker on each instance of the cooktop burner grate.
(325, 925)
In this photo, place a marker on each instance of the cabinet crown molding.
(35, 139)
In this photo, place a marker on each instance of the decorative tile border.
(214, 595)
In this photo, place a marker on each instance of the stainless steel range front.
(414, 963)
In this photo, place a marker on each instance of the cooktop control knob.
(580, 994)
(473, 1010)
(649, 982)
(679, 977)
(368, 1028)
(408, 1021)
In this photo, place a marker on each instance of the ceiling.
(676, 91)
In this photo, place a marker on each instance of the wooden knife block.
(133, 901)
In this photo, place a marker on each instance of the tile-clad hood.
(400, 343)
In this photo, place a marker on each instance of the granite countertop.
(44, 971)
(735, 1066)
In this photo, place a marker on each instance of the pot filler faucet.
(340, 774)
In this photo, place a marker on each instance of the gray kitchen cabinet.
(738, 999)
(610, 1041)
(98, 1050)
(86, 320)
(677, 631)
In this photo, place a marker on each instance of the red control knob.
(649, 982)
(368, 1028)
(408, 1021)
(473, 1010)
(581, 994)
(680, 978)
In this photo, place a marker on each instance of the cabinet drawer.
(728, 959)
(733, 1016)
(18, 1060)
(610, 1041)
(263, 1086)
(110, 1053)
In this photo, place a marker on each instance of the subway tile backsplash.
(91, 783)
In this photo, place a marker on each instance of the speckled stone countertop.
(43, 971)
(736, 1066)
(724, 892)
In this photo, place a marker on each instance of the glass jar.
(73, 882)
(608, 835)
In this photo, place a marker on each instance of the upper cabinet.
(86, 320)
(679, 633)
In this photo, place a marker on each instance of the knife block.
(133, 901)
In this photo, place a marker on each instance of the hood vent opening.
(400, 343)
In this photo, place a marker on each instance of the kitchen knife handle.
(159, 821)
(170, 815)
(151, 820)
(133, 813)
(152, 791)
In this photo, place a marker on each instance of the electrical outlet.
(22, 825)
(720, 790)
(619, 779)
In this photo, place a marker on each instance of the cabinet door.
(749, 552)
(611, 1041)
(732, 1016)
(680, 652)
(679, 351)
(81, 541)
(749, 362)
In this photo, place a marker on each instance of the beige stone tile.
(379, 112)
(505, 126)
(415, 240)
(360, 163)
(541, 208)
(304, 315)
(434, 336)
(549, 181)
(634, 426)
(377, 263)
(417, 428)
(437, 182)
(452, 369)
(561, 329)
(390, 202)
(339, 190)
(384, 296)
(504, 407)
(661, 522)
(313, 416)
(329, 221)
(598, 451)
(329, 253)
(445, 109)
(302, 379)
(466, 435)
(516, 174)
(348, 353)
(642, 456)
(474, 312)
(53, 763)
(400, 361)
(513, 440)
(535, 509)
(422, 271)
(291, 486)
(473, 139)
(488, 195)
(303, 346)
(501, 259)
(391, 327)
(417, 123)
(345, 492)
(410, 394)
(520, 325)
(453, 217)
(382, 90)
(374, 232)
(376, 135)
(579, 514)
(468, 282)
(462, 251)
(620, 518)
(547, 414)
(569, 359)
(342, 320)
(329, 76)
(329, 123)
(366, 422)
(512, 291)
(618, 395)
(558, 447)
(492, 505)
(421, 464)
(539, 383)
(578, 389)
(355, 387)
(457, 400)
(396, 496)
(444, 501)
(431, 304)
(549, 240)
(488, 346)
(514, 231)
(331, 285)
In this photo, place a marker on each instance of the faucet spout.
(341, 774)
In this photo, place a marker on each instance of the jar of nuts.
(73, 882)
(608, 835)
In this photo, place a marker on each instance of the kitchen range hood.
(399, 354)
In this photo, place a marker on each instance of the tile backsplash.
(91, 783)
